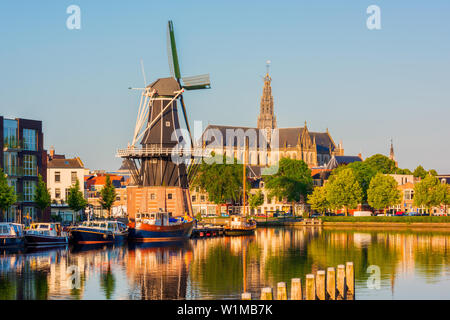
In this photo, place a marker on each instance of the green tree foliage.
(256, 200)
(430, 192)
(433, 172)
(7, 193)
(42, 196)
(383, 192)
(75, 199)
(403, 171)
(344, 191)
(420, 172)
(222, 181)
(381, 164)
(363, 172)
(318, 199)
(292, 182)
(107, 195)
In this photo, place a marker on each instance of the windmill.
(156, 129)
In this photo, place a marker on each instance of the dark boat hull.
(239, 232)
(11, 242)
(89, 236)
(151, 233)
(41, 240)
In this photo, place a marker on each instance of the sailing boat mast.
(244, 177)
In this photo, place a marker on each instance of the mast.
(244, 176)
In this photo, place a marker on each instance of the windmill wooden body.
(156, 174)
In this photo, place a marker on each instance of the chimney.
(360, 156)
(52, 152)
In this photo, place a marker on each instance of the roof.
(65, 164)
(337, 161)
(165, 86)
(287, 136)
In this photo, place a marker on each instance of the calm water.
(413, 265)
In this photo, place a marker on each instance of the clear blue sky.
(327, 68)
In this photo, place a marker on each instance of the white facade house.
(62, 174)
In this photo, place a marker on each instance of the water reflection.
(414, 265)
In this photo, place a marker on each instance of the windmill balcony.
(156, 151)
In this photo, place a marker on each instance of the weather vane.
(268, 62)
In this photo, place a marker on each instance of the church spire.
(392, 154)
(266, 119)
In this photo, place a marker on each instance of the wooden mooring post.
(334, 284)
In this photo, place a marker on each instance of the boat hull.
(89, 236)
(42, 240)
(239, 231)
(153, 233)
(11, 242)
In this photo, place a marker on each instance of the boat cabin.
(11, 230)
(113, 226)
(47, 229)
(159, 218)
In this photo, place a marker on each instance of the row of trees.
(348, 186)
(42, 197)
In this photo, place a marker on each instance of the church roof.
(337, 161)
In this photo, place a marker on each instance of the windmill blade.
(186, 120)
(197, 82)
(172, 52)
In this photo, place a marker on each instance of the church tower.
(392, 154)
(266, 119)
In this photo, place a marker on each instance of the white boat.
(41, 234)
(11, 235)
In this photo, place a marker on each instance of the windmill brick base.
(176, 200)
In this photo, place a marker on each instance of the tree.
(75, 199)
(108, 195)
(381, 164)
(429, 193)
(222, 181)
(383, 192)
(433, 172)
(42, 196)
(318, 199)
(344, 191)
(256, 200)
(7, 193)
(420, 172)
(403, 171)
(363, 172)
(292, 182)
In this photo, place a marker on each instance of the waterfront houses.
(62, 174)
(23, 159)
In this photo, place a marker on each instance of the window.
(28, 190)
(57, 193)
(167, 123)
(13, 183)
(10, 163)
(29, 165)
(118, 198)
(194, 198)
(73, 177)
(409, 194)
(67, 193)
(202, 198)
(10, 133)
(29, 140)
(152, 196)
(169, 196)
(57, 176)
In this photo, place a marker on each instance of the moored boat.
(240, 226)
(96, 232)
(160, 226)
(46, 234)
(11, 235)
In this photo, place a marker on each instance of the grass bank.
(419, 219)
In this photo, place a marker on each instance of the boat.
(11, 235)
(97, 232)
(46, 234)
(160, 226)
(240, 226)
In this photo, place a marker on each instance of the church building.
(268, 143)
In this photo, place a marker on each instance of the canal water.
(411, 265)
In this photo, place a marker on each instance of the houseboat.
(11, 235)
(160, 226)
(96, 232)
(46, 234)
(240, 226)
